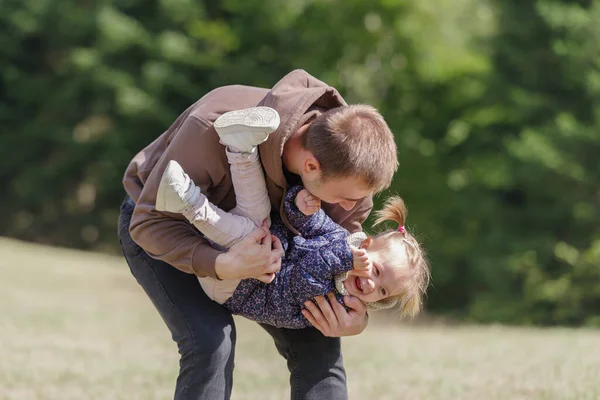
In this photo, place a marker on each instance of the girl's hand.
(307, 203)
(361, 262)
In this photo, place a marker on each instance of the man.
(341, 154)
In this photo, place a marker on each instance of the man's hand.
(258, 255)
(331, 318)
(307, 203)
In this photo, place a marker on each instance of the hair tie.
(401, 228)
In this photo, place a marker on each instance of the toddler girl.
(384, 271)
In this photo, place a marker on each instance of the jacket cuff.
(204, 259)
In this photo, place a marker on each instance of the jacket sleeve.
(313, 274)
(168, 237)
(309, 226)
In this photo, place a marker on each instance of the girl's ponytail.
(393, 210)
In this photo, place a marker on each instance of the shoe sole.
(256, 119)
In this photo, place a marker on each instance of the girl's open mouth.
(358, 284)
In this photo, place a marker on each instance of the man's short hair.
(354, 141)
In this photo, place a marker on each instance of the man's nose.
(347, 205)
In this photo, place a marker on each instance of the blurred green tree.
(523, 162)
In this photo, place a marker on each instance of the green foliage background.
(495, 105)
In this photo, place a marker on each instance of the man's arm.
(169, 237)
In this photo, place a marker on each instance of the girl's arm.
(313, 274)
(310, 226)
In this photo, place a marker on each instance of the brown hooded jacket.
(193, 142)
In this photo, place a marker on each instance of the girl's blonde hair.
(417, 276)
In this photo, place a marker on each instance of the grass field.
(76, 325)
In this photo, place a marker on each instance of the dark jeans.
(205, 333)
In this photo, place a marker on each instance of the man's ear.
(311, 166)
(366, 243)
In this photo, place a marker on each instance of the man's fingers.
(338, 309)
(276, 251)
(313, 321)
(267, 278)
(276, 243)
(267, 241)
(355, 304)
(257, 235)
(317, 316)
(275, 256)
(327, 311)
(274, 265)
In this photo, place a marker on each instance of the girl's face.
(384, 275)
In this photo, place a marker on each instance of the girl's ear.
(366, 243)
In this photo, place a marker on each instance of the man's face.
(343, 191)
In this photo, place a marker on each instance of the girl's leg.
(251, 197)
(242, 131)
(178, 194)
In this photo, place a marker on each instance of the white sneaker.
(173, 190)
(244, 129)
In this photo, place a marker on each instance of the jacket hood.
(298, 97)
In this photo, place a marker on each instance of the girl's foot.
(243, 130)
(176, 190)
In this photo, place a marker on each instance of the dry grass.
(75, 325)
